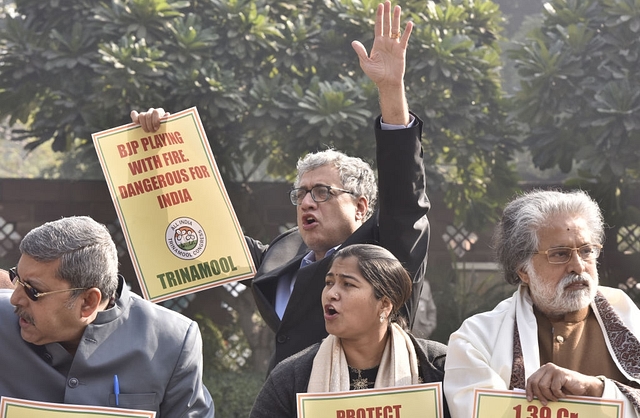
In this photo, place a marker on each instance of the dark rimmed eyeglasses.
(31, 291)
(318, 194)
(562, 255)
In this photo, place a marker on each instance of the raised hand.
(386, 63)
(385, 66)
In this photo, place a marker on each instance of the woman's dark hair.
(385, 273)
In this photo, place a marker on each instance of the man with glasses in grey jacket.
(72, 332)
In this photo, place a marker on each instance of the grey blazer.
(156, 353)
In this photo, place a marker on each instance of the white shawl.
(398, 367)
(480, 353)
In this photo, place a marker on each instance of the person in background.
(5, 280)
(367, 346)
(560, 333)
(77, 326)
(335, 196)
(426, 317)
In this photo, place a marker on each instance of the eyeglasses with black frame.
(319, 193)
(32, 292)
(562, 255)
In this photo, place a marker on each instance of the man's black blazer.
(399, 224)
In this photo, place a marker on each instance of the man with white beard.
(560, 333)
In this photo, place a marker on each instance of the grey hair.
(88, 255)
(355, 174)
(516, 235)
(384, 272)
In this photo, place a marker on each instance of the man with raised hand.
(335, 196)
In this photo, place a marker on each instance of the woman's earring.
(382, 317)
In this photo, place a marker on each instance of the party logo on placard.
(185, 238)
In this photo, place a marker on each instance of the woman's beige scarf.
(398, 367)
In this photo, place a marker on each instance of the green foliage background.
(579, 104)
(271, 81)
(232, 383)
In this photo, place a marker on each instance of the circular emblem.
(185, 238)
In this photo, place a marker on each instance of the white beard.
(558, 301)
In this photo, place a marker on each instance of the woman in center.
(367, 346)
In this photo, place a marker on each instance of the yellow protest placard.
(514, 404)
(418, 401)
(181, 230)
(20, 408)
